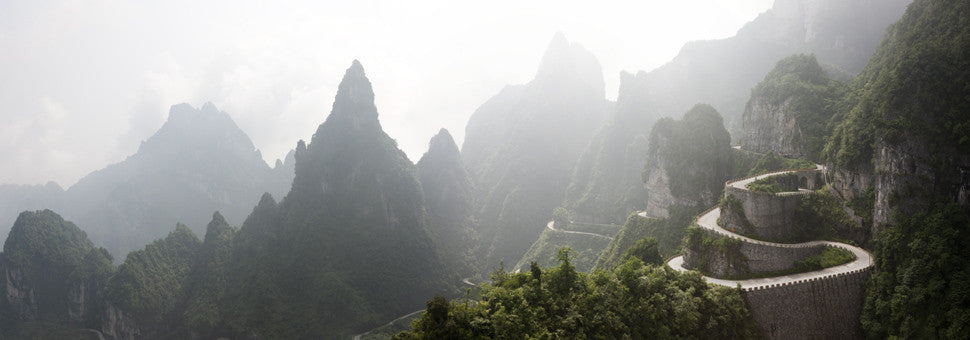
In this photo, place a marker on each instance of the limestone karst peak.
(570, 62)
(185, 113)
(442, 141)
(354, 102)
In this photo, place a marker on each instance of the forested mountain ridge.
(348, 247)
(521, 145)
(364, 235)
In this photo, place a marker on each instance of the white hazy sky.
(82, 83)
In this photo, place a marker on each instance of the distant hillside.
(448, 198)
(15, 199)
(348, 247)
(198, 162)
(522, 144)
(606, 185)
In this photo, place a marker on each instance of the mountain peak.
(185, 114)
(209, 107)
(442, 140)
(570, 62)
(441, 146)
(354, 103)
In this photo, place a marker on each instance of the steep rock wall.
(19, 294)
(769, 127)
(119, 325)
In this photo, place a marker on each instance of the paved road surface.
(552, 226)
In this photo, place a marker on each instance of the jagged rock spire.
(443, 142)
(354, 103)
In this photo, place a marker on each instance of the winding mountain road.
(708, 220)
(552, 226)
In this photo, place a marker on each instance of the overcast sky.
(82, 83)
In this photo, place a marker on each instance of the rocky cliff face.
(770, 127)
(119, 325)
(901, 146)
(659, 197)
(688, 161)
(20, 294)
(902, 151)
(789, 110)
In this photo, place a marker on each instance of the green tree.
(644, 250)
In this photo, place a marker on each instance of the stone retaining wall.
(761, 256)
(818, 308)
(772, 216)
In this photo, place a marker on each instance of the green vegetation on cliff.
(706, 247)
(151, 284)
(820, 216)
(695, 155)
(921, 289)
(44, 258)
(584, 249)
(44, 238)
(209, 278)
(774, 184)
(915, 85)
(799, 88)
(667, 232)
(908, 130)
(631, 301)
(770, 162)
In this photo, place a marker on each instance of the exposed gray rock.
(119, 325)
(19, 294)
(769, 127)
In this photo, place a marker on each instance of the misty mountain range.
(198, 162)
(347, 232)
